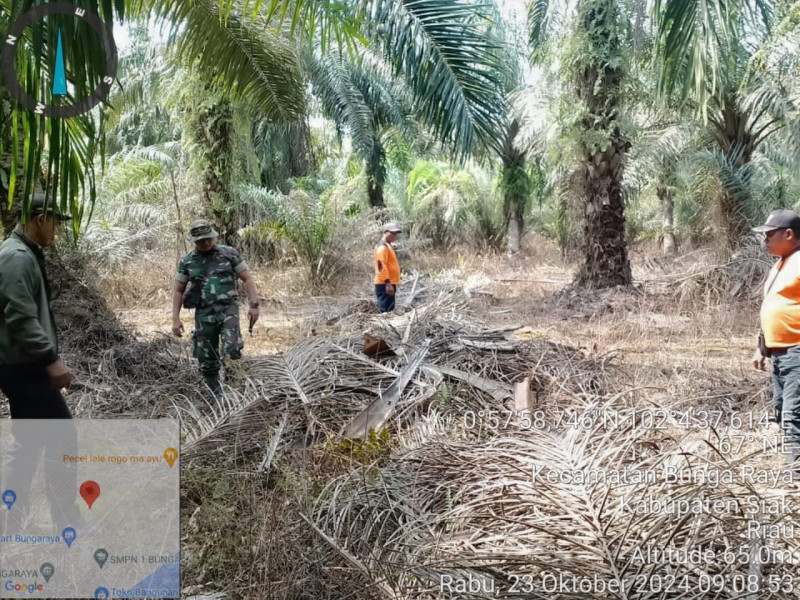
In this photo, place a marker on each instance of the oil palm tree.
(256, 65)
(593, 64)
(361, 95)
(658, 161)
(712, 54)
(515, 179)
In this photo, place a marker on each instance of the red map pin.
(90, 491)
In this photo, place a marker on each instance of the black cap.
(780, 219)
(39, 206)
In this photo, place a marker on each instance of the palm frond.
(361, 96)
(331, 22)
(459, 90)
(342, 101)
(769, 108)
(142, 202)
(164, 154)
(250, 61)
(694, 40)
(538, 23)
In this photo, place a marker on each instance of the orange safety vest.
(386, 266)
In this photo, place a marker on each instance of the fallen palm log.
(375, 415)
(496, 390)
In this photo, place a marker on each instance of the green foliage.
(459, 92)
(375, 447)
(439, 202)
(140, 111)
(260, 241)
(517, 181)
(311, 224)
(251, 62)
(282, 152)
(559, 226)
(695, 40)
(308, 222)
(595, 61)
(556, 213)
(138, 209)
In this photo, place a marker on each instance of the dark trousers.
(32, 397)
(786, 397)
(30, 393)
(385, 301)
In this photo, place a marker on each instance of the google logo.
(23, 587)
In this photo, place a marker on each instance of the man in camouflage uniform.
(212, 270)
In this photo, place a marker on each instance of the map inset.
(89, 508)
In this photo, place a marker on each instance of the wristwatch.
(255, 304)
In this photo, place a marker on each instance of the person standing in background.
(387, 269)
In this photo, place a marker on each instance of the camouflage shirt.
(220, 267)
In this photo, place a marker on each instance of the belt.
(779, 351)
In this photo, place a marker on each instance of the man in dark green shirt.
(31, 371)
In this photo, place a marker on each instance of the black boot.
(212, 381)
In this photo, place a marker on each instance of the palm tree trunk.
(598, 80)
(301, 159)
(214, 134)
(736, 140)
(7, 218)
(732, 208)
(667, 199)
(6, 141)
(514, 216)
(514, 233)
(375, 194)
(376, 174)
(516, 186)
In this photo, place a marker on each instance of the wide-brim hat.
(202, 230)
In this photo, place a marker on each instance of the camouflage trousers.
(215, 326)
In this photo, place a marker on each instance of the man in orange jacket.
(387, 269)
(780, 324)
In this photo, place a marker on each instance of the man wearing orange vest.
(387, 269)
(780, 324)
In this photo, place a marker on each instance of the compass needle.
(60, 77)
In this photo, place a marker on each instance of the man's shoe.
(213, 385)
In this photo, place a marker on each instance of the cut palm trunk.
(378, 412)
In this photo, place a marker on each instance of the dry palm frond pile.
(740, 278)
(593, 506)
(407, 473)
(467, 499)
(321, 385)
(86, 325)
(288, 430)
(116, 374)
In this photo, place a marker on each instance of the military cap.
(201, 229)
(41, 206)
